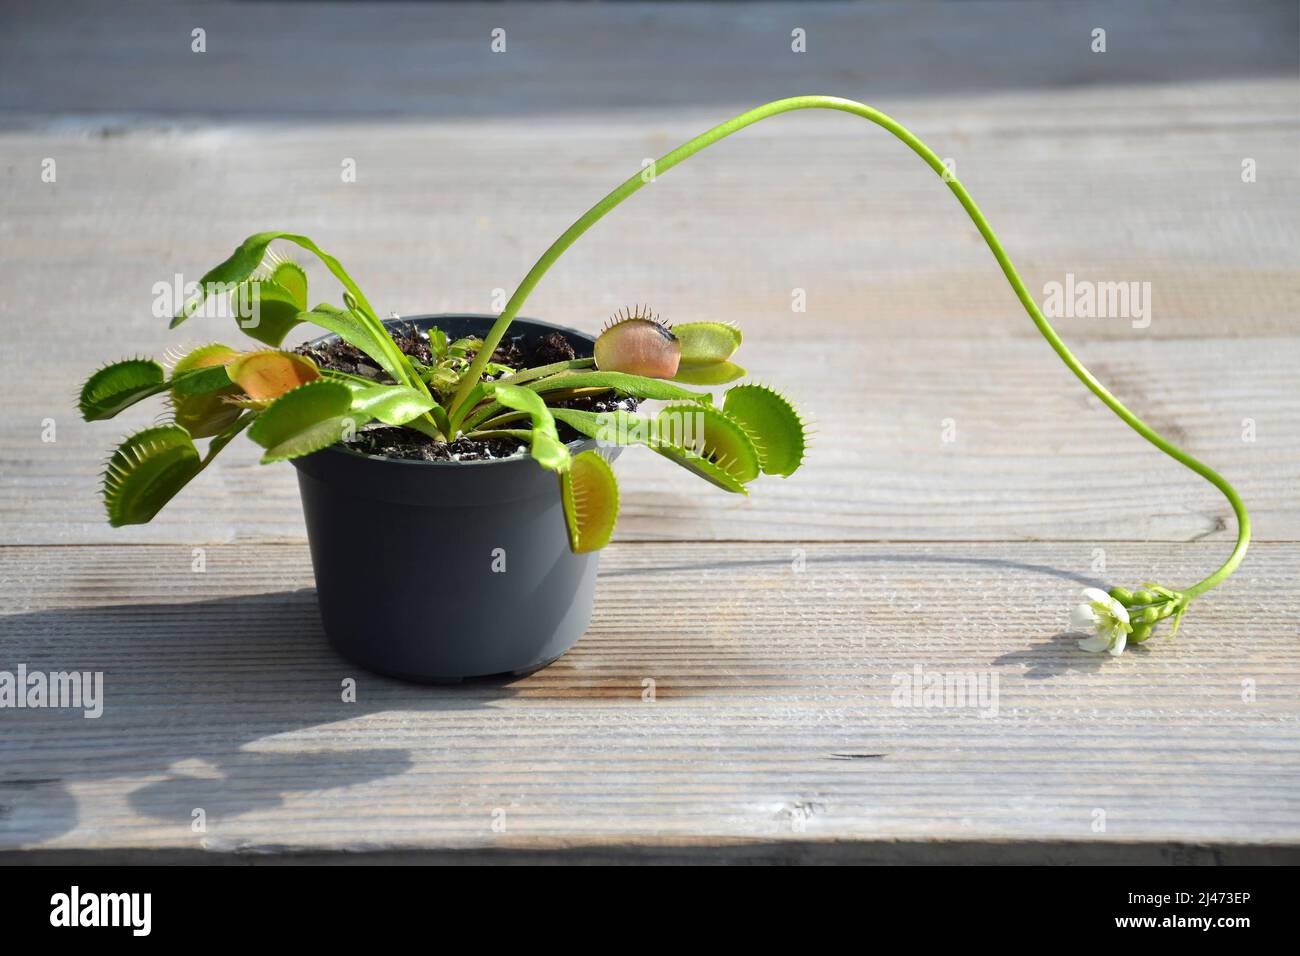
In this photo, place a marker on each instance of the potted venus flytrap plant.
(455, 470)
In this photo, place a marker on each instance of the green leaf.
(608, 428)
(463, 346)
(437, 343)
(773, 424)
(706, 469)
(590, 496)
(442, 379)
(719, 373)
(222, 440)
(293, 279)
(245, 260)
(276, 309)
(707, 343)
(542, 371)
(728, 459)
(146, 472)
(118, 386)
(391, 404)
(200, 386)
(712, 435)
(210, 356)
(311, 417)
(226, 276)
(440, 419)
(545, 444)
(638, 385)
(268, 374)
(479, 393)
(201, 381)
(352, 328)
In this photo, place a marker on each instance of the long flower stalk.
(1163, 601)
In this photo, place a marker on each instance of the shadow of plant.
(202, 721)
(1057, 655)
(1046, 658)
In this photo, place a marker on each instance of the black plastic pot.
(439, 571)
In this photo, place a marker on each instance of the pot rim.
(575, 446)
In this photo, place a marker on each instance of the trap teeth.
(641, 313)
(636, 342)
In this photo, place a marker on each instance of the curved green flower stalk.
(1140, 610)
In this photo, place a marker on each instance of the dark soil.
(518, 352)
(342, 357)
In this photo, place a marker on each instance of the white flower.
(1106, 616)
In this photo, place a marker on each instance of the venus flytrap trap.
(472, 389)
(292, 407)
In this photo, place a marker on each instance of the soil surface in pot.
(517, 352)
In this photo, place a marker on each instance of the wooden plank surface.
(880, 361)
(773, 688)
(775, 714)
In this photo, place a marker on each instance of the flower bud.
(1123, 595)
(1140, 633)
(1149, 615)
(1143, 597)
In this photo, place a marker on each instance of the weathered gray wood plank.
(443, 213)
(221, 694)
(269, 60)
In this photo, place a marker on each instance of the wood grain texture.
(442, 214)
(424, 61)
(774, 735)
(775, 728)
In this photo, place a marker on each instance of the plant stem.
(542, 371)
(427, 426)
(523, 434)
(686, 150)
(491, 420)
